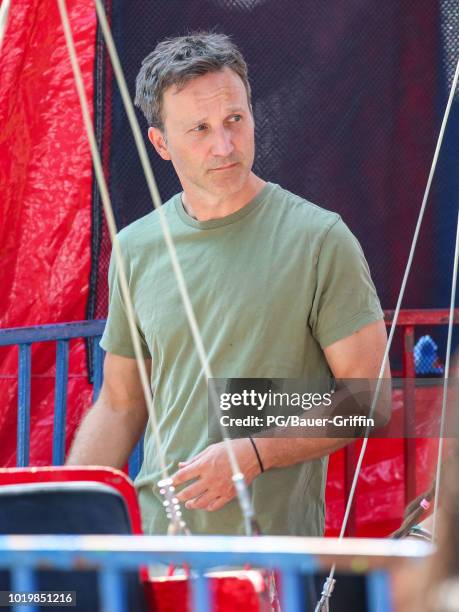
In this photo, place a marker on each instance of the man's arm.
(359, 355)
(112, 427)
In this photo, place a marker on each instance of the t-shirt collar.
(221, 221)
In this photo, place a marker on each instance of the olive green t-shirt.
(271, 285)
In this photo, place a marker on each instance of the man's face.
(208, 133)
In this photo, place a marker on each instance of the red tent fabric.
(45, 182)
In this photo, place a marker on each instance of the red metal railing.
(408, 320)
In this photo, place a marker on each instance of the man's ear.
(157, 139)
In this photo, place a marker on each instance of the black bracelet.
(262, 469)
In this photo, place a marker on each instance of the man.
(280, 289)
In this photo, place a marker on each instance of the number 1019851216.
(43, 598)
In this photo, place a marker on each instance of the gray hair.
(175, 61)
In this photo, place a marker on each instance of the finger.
(187, 462)
(192, 491)
(202, 502)
(186, 473)
(217, 503)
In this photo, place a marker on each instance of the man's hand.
(357, 356)
(211, 472)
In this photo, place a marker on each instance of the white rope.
(238, 478)
(433, 166)
(445, 383)
(113, 235)
(4, 8)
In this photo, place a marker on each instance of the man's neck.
(204, 207)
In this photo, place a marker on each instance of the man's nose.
(222, 144)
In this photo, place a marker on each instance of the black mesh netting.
(348, 98)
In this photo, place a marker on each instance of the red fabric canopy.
(45, 179)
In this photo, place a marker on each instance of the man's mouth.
(227, 167)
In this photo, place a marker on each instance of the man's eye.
(236, 118)
(199, 128)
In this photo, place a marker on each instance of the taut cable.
(330, 581)
(445, 384)
(238, 478)
(171, 503)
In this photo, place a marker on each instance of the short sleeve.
(345, 299)
(117, 335)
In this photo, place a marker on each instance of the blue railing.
(60, 333)
(291, 557)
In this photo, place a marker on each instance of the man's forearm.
(282, 452)
(106, 436)
(357, 398)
